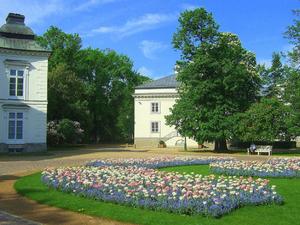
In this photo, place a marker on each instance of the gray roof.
(16, 29)
(14, 34)
(165, 82)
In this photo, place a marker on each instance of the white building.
(152, 102)
(23, 88)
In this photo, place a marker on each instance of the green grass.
(31, 187)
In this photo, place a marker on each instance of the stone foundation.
(154, 143)
(28, 147)
(147, 142)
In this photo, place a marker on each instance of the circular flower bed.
(149, 188)
(159, 162)
(278, 167)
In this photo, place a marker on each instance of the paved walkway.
(14, 167)
(9, 219)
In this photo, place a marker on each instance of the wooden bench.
(262, 149)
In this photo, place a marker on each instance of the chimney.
(14, 18)
(16, 28)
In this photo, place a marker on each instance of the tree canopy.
(292, 84)
(91, 86)
(218, 78)
(293, 34)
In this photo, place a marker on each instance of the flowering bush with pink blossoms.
(148, 188)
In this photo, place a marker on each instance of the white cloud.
(151, 48)
(104, 30)
(146, 22)
(90, 3)
(145, 71)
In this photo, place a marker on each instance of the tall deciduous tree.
(293, 34)
(110, 81)
(292, 89)
(218, 79)
(91, 86)
(195, 28)
(65, 47)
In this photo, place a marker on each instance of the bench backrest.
(264, 147)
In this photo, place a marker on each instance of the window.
(154, 107)
(16, 83)
(15, 125)
(154, 127)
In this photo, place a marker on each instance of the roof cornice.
(156, 95)
(25, 52)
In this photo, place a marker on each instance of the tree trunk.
(220, 145)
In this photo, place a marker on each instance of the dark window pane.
(12, 86)
(11, 129)
(20, 87)
(12, 80)
(12, 115)
(20, 93)
(13, 72)
(154, 127)
(12, 92)
(20, 115)
(19, 130)
(20, 73)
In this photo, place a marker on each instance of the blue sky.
(143, 29)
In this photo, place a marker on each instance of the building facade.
(23, 88)
(152, 102)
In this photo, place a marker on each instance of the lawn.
(32, 187)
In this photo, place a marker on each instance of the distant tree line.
(90, 86)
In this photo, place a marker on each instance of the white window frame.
(12, 64)
(15, 140)
(158, 127)
(158, 107)
(16, 77)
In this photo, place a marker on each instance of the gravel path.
(10, 165)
